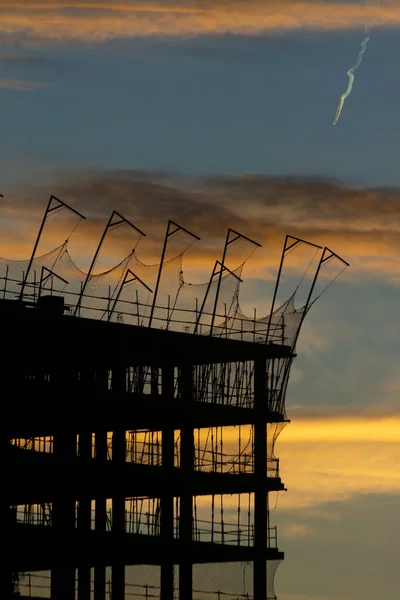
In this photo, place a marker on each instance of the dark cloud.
(313, 206)
(151, 200)
(362, 225)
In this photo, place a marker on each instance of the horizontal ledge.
(95, 549)
(122, 410)
(79, 341)
(39, 483)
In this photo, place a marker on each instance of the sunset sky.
(220, 114)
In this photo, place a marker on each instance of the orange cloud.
(99, 20)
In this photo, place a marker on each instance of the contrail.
(351, 75)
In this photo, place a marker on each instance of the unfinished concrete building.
(141, 414)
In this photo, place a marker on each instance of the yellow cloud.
(99, 20)
(336, 430)
(327, 460)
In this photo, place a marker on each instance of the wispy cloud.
(19, 84)
(98, 20)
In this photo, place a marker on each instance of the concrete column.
(186, 500)
(63, 521)
(100, 517)
(260, 473)
(7, 518)
(167, 499)
(100, 501)
(118, 500)
(84, 516)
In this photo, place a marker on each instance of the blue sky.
(220, 114)
(208, 104)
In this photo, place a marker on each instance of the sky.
(220, 114)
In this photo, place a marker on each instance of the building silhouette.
(141, 414)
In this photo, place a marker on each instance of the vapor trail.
(351, 76)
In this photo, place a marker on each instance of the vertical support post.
(48, 210)
(43, 278)
(101, 501)
(5, 282)
(260, 473)
(7, 515)
(327, 255)
(199, 313)
(228, 242)
(154, 381)
(109, 225)
(168, 234)
(167, 498)
(278, 279)
(84, 516)
(129, 277)
(215, 273)
(63, 513)
(286, 248)
(186, 503)
(118, 500)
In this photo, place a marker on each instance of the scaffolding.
(143, 415)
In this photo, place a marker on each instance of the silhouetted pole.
(167, 497)
(129, 277)
(48, 210)
(286, 249)
(46, 274)
(215, 273)
(109, 226)
(168, 234)
(63, 508)
(186, 499)
(260, 474)
(118, 499)
(228, 242)
(100, 500)
(87, 381)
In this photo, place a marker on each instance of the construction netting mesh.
(235, 580)
(125, 293)
(221, 449)
(230, 449)
(227, 581)
(232, 384)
